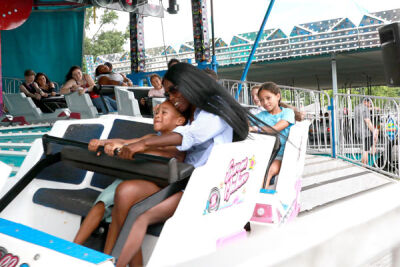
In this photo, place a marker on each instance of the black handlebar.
(104, 89)
(49, 139)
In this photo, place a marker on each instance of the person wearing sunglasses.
(214, 118)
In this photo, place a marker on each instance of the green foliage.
(88, 17)
(385, 91)
(107, 42)
(375, 91)
(103, 42)
(108, 17)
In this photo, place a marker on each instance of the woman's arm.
(89, 81)
(168, 152)
(107, 81)
(39, 90)
(68, 87)
(184, 137)
(126, 80)
(169, 139)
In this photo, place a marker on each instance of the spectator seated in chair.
(105, 76)
(31, 89)
(76, 81)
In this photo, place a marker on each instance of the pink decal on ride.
(213, 201)
(235, 177)
(9, 260)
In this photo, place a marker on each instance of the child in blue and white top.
(277, 115)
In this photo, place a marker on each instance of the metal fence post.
(333, 100)
(333, 124)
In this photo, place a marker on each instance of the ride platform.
(327, 180)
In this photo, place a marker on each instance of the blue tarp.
(49, 42)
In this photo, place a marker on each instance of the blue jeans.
(111, 104)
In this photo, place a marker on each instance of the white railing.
(376, 147)
(11, 85)
(312, 103)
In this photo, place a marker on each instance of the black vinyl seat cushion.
(77, 202)
(73, 201)
(155, 229)
(59, 172)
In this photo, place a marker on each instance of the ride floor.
(327, 180)
(15, 142)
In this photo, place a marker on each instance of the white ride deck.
(327, 180)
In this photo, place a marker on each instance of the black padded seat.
(130, 129)
(73, 201)
(155, 229)
(77, 202)
(123, 129)
(59, 172)
(147, 109)
(139, 93)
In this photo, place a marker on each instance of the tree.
(103, 42)
(107, 42)
(385, 91)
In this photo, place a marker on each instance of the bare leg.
(364, 157)
(137, 260)
(158, 213)
(273, 170)
(127, 194)
(90, 223)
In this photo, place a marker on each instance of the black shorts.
(368, 142)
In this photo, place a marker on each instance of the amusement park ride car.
(42, 206)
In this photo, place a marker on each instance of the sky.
(239, 16)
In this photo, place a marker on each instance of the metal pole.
(334, 75)
(214, 62)
(253, 50)
(212, 27)
(332, 107)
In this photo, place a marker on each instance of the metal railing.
(11, 85)
(312, 104)
(374, 145)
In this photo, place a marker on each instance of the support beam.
(136, 31)
(332, 107)
(334, 75)
(200, 31)
(254, 48)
